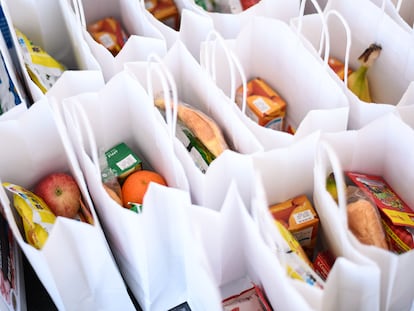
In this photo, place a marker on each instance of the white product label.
(126, 162)
(235, 6)
(304, 236)
(261, 105)
(149, 4)
(106, 40)
(303, 216)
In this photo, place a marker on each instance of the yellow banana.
(358, 80)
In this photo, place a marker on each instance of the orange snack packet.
(109, 32)
(165, 11)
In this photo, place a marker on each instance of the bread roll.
(364, 222)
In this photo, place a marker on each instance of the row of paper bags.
(207, 236)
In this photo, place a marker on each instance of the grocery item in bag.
(10, 272)
(250, 299)
(36, 216)
(110, 33)
(396, 216)
(364, 219)
(338, 67)
(199, 133)
(248, 3)
(358, 80)
(116, 164)
(122, 161)
(42, 68)
(136, 185)
(296, 261)
(323, 263)
(181, 307)
(9, 96)
(264, 105)
(165, 11)
(226, 6)
(300, 218)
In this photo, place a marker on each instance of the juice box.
(122, 160)
(301, 219)
(264, 105)
(165, 11)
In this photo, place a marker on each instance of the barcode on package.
(126, 162)
(304, 216)
(261, 105)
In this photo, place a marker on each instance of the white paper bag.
(238, 255)
(173, 264)
(51, 25)
(67, 264)
(405, 10)
(374, 150)
(391, 73)
(122, 112)
(289, 172)
(143, 37)
(400, 11)
(352, 285)
(314, 101)
(196, 89)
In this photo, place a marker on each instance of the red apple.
(61, 193)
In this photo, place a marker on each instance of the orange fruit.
(136, 184)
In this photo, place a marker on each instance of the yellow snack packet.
(37, 218)
(42, 68)
(292, 242)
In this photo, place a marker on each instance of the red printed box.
(397, 217)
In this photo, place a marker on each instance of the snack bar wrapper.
(42, 68)
(37, 218)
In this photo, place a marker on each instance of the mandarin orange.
(136, 185)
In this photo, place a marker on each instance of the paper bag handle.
(79, 12)
(325, 37)
(78, 118)
(348, 40)
(397, 5)
(324, 26)
(208, 63)
(169, 90)
(264, 220)
(325, 154)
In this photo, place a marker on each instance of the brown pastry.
(364, 222)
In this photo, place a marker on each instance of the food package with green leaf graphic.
(200, 134)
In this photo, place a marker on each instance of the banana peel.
(358, 80)
(331, 186)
